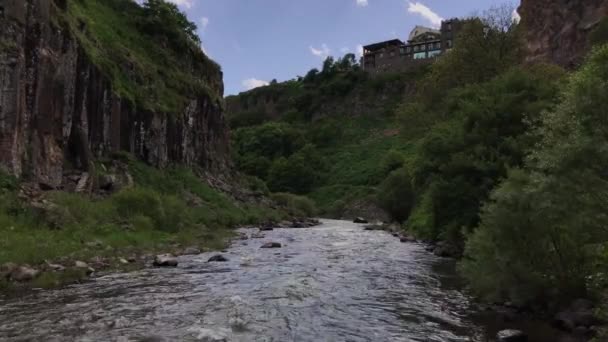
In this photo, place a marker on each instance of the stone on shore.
(84, 266)
(24, 273)
(165, 260)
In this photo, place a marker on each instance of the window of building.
(430, 46)
(416, 48)
(420, 55)
(392, 53)
(408, 49)
(449, 26)
(402, 51)
(423, 47)
(434, 53)
(449, 43)
(438, 45)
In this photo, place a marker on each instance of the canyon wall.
(558, 30)
(59, 112)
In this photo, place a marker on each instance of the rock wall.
(558, 30)
(59, 113)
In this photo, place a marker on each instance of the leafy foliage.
(396, 196)
(543, 232)
(462, 159)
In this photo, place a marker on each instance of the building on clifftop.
(424, 44)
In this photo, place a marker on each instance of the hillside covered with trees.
(501, 159)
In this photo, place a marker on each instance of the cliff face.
(558, 30)
(58, 110)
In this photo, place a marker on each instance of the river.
(335, 282)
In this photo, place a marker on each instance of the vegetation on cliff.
(151, 53)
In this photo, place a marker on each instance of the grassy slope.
(152, 216)
(149, 215)
(356, 158)
(144, 69)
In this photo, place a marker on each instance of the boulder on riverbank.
(24, 273)
(511, 335)
(272, 245)
(84, 266)
(165, 260)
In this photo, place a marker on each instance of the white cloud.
(359, 50)
(204, 23)
(251, 83)
(345, 50)
(323, 52)
(362, 3)
(427, 13)
(184, 3)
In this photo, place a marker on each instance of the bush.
(167, 212)
(296, 205)
(298, 174)
(395, 195)
(392, 161)
(257, 185)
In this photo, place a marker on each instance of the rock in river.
(165, 260)
(360, 220)
(511, 335)
(217, 258)
(271, 245)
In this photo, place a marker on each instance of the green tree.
(484, 48)
(395, 195)
(542, 233)
(463, 159)
(165, 18)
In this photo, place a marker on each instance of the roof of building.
(380, 45)
(419, 30)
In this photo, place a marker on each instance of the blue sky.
(256, 41)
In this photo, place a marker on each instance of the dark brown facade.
(423, 46)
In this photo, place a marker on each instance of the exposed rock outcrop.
(58, 110)
(558, 30)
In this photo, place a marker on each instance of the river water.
(335, 282)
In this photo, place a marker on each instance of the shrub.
(395, 195)
(296, 205)
(296, 174)
(257, 185)
(392, 161)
